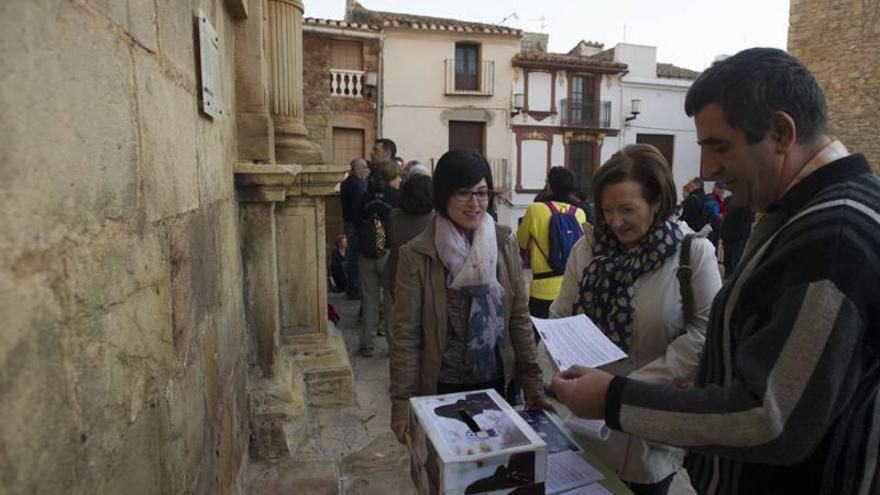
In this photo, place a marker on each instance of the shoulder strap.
(684, 272)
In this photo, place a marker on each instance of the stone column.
(286, 83)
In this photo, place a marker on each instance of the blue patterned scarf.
(472, 267)
(606, 287)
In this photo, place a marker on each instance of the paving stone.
(384, 453)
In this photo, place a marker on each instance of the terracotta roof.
(549, 58)
(672, 72)
(576, 49)
(392, 19)
(333, 23)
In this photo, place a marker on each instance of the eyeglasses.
(465, 195)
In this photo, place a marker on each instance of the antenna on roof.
(543, 22)
(511, 16)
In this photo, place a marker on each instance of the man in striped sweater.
(786, 399)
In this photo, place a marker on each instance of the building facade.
(566, 116)
(658, 91)
(341, 88)
(840, 44)
(446, 84)
(161, 274)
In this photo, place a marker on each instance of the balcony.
(347, 83)
(591, 114)
(469, 79)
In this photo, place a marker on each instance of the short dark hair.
(388, 145)
(753, 84)
(417, 195)
(457, 169)
(641, 163)
(562, 181)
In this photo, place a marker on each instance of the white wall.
(416, 110)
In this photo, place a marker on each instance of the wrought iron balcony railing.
(579, 113)
(473, 78)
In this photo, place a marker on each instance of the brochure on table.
(566, 468)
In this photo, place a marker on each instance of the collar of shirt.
(834, 150)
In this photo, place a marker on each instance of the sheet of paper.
(576, 340)
(567, 470)
(593, 428)
(594, 489)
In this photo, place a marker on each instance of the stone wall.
(122, 367)
(324, 111)
(839, 41)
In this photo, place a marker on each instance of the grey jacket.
(420, 324)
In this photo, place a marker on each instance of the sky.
(687, 33)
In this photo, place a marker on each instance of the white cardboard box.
(473, 442)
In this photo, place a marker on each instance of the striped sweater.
(787, 396)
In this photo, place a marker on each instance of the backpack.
(564, 233)
(373, 236)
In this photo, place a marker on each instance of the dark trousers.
(539, 308)
(351, 258)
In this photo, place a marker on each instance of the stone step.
(280, 412)
(325, 365)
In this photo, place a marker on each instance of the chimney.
(349, 6)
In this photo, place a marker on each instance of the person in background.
(338, 256)
(384, 150)
(461, 319)
(698, 209)
(534, 233)
(381, 198)
(579, 198)
(351, 192)
(626, 279)
(408, 220)
(788, 390)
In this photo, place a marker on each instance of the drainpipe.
(620, 113)
(380, 87)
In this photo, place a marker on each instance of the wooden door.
(581, 161)
(663, 142)
(466, 136)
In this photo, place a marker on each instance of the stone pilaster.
(260, 188)
(286, 84)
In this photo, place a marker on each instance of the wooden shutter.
(348, 144)
(347, 55)
(466, 136)
(663, 142)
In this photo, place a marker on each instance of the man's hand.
(582, 390)
(400, 429)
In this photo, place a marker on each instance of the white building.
(660, 91)
(576, 111)
(446, 84)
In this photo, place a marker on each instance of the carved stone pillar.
(286, 82)
(260, 188)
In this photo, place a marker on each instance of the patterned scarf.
(472, 266)
(606, 287)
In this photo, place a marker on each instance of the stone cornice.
(259, 182)
(317, 180)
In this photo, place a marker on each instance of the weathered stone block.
(196, 283)
(168, 129)
(136, 17)
(177, 35)
(68, 145)
(215, 155)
